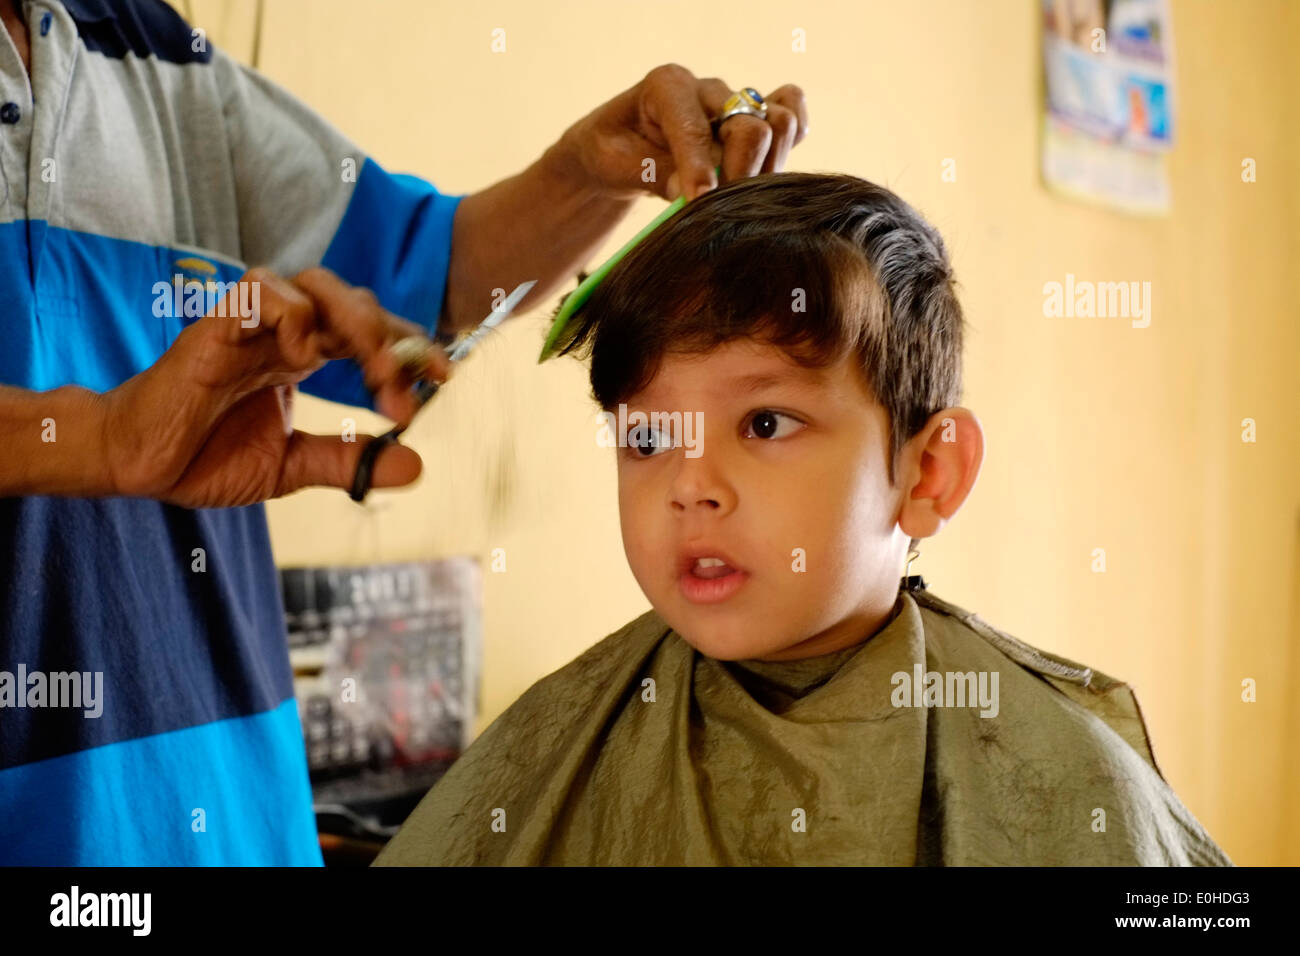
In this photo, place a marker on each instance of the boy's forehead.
(734, 368)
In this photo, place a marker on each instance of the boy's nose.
(707, 503)
(700, 487)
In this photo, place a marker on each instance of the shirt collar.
(89, 11)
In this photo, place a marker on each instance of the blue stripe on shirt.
(395, 239)
(134, 803)
(91, 312)
(88, 317)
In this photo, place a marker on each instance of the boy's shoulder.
(528, 757)
(1108, 698)
(611, 661)
(578, 691)
(1065, 774)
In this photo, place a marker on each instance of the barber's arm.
(72, 463)
(547, 221)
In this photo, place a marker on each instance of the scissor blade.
(494, 318)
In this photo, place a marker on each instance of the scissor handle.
(366, 466)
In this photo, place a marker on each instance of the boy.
(786, 701)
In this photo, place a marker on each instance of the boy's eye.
(766, 423)
(646, 442)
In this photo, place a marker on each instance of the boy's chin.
(732, 640)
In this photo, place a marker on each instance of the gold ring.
(748, 102)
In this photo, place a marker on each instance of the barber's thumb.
(330, 461)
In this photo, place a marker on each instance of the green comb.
(579, 296)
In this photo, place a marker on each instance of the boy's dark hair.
(741, 261)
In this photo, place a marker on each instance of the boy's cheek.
(648, 554)
(635, 489)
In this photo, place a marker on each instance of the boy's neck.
(857, 628)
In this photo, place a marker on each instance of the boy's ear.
(940, 464)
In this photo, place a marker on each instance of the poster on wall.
(1108, 124)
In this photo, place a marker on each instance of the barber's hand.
(666, 117)
(209, 425)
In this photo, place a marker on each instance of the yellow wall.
(1099, 435)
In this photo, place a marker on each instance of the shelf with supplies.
(386, 663)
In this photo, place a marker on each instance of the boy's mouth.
(706, 561)
(711, 568)
(708, 575)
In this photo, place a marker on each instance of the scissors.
(427, 389)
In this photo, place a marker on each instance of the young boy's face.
(789, 486)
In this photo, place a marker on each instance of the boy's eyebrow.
(756, 381)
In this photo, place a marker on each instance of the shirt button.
(10, 113)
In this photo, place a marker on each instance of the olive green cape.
(643, 751)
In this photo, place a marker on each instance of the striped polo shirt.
(135, 153)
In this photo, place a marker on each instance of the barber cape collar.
(643, 751)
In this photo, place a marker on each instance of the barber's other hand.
(666, 117)
(209, 425)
